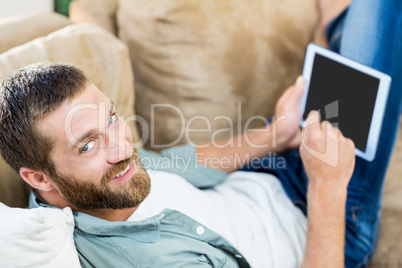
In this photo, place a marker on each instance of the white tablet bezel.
(380, 103)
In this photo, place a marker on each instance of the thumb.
(296, 91)
(300, 84)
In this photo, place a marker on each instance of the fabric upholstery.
(212, 58)
(388, 251)
(13, 190)
(389, 246)
(206, 58)
(18, 30)
(101, 56)
(15, 31)
(102, 13)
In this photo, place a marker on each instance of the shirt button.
(200, 230)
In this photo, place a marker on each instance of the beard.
(87, 195)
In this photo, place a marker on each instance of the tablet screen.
(344, 96)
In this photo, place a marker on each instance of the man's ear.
(36, 179)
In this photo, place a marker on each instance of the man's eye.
(112, 119)
(88, 146)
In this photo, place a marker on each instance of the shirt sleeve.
(181, 160)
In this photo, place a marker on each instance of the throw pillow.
(39, 237)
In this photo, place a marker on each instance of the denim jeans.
(368, 32)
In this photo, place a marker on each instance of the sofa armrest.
(18, 30)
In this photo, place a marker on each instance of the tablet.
(348, 94)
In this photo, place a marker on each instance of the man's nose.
(118, 147)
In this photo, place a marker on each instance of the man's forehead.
(91, 94)
(90, 98)
(76, 114)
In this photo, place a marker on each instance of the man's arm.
(281, 135)
(328, 158)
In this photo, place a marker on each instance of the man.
(63, 136)
(74, 153)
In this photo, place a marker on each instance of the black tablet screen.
(344, 96)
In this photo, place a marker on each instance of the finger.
(350, 143)
(297, 90)
(337, 130)
(300, 87)
(312, 119)
(300, 82)
(331, 132)
(326, 125)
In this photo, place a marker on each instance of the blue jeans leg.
(370, 34)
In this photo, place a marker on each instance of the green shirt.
(169, 239)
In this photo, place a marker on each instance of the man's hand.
(328, 157)
(287, 117)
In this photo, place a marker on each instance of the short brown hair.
(26, 96)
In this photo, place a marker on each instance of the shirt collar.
(146, 231)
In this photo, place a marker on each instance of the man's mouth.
(123, 172)
(126, 174)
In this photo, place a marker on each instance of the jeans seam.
(367, 257)
(335, 38)
(355, 217)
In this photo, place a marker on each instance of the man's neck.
(110, 214)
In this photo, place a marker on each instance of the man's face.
(96, 166)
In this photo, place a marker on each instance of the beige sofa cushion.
(18, 30)
(388, 251)
(13, 190)
(102, 13)
(103, 58)
(389, 246)
(212, 58)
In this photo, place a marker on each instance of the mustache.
(117, 168)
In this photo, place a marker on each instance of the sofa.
(182, 72)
